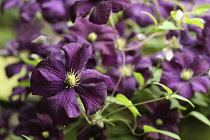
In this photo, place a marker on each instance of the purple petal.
(76, 55)
(62, 106)
(54, 11)
(48, 78)
(120, 5)
(201, 84)
(28, 11)
(82, 8)
(92, 76)
(93, 96)
(184, 59)
(13, 69)
(199, 65)
(7, 4)
(186, 92)
(101, 12)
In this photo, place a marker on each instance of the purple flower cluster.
(77, 59)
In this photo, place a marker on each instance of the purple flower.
(128, 83)
(101, 9)
(28, 8)
(56, 10)
(160, 117)
(100, 37)
(182, 68)
(34, 123)
(61, 83)
(134, 13)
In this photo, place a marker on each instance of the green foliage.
(195, 21)
(26, 137)
(182, 98)
(127, 102)
(148, 129)
(151, 16)
(200, 117)
(169, 91)
(139, 78)
(168, 25)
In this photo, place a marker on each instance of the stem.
(83, 129)
(191, 81)
(143, 42)
(51, 47)
(157, 7)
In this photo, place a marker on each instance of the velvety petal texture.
(101, 9)
(48, 78)
(61, 83)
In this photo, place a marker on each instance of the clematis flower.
(61, 82)
(100, 37)
(160, 117)
(182, 68)
(101, 9)
(36, 124)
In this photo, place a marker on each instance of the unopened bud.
(41, 39)
(168, 54)
(209, 73)
(140, 37)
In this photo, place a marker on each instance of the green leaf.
(195, 21)
(167, 25)
(151, 16)
(182, 98)
(200, 99)
(169, 91)
(26, 137)
(25, 83)
(204, 6)
(148, 129)
(127, 102)
(177, 15)
(200, 117)
(139, 78)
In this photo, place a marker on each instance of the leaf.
(200, 117)
(25, 83)
(127, 102)
(167, 25)
(200, 99)
(177, 15)
(151, 16)
(195, 21)
(169, 91)
(182, 98)
(139, 78)
(148, 129)
(26, 137)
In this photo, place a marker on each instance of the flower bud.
(41, 39)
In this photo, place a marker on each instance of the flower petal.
(76, 55)
(92, 95)
(201, 84)
(101, 12)
(120, 5)
(13, 69)
(62, 106)
(91, 76)
(48, 77)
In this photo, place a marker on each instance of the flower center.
(92, 37)
(120, 43)
(46, 134)
(72, 79)
(126, 70)
(186, 74)
(173, 43)
(159, 121)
